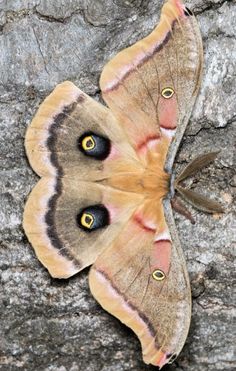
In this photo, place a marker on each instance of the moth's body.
(105, 177)
(149, 178)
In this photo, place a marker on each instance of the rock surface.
(53, 325)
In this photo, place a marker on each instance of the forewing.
(127, 281)
(151, 86)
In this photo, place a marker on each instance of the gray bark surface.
(52, 325)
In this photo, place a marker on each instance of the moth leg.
(180, 208)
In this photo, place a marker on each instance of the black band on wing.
(94, 145)
(93, 217)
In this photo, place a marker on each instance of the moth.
(107, 184)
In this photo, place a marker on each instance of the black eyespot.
(93, 217)
(94, 145)
(188, 12)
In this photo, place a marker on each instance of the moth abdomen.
(94, 145)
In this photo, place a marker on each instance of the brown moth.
(104, 197)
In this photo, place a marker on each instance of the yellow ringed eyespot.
(167, 93)
(158, 275)
(87, 220)
(88, 143)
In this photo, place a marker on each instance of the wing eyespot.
(88, 143)
(87, 220)
(93, 217)
(167, 93)
(94, 145)
(158, 275)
